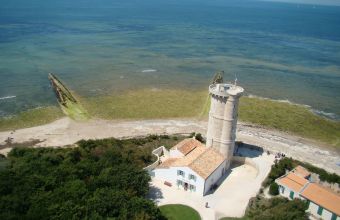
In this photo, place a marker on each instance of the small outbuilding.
(322, 203)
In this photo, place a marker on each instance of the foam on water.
(149, 71)
(7, 97)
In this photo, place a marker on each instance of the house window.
(179, 182)
(180, 173)
(320, 209)
(192, 188)
(308, 202)
(192, 177)
(334, 216)
(291, 195)
(282, 189)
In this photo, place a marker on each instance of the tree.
(274, 189)
(100, 179)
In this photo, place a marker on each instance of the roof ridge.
(205, 150)
(298, 177)
(304, 187)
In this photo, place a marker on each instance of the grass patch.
(289, 118)
(167, 103)
(31, 118)
(147, 104)
(179, 212)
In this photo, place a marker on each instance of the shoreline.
(176, 104)
(66, 132)
(317, 112)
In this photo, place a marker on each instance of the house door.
(186, 186)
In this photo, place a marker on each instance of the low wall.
(157, 152)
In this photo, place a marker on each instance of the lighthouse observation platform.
(225, 90)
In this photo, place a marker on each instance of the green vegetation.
(279, 208)
(152, 104)
(147, 104)
(289, 118)
(276, 209)
(67, 101)
(274, 189)
(179, 212)
(100, 179)
(279, 169)
(198, 136)
(3, 162)
(31, 118)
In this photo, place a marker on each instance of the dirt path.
(65, 132)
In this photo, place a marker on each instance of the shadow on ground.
(248, 150)
(155, 194)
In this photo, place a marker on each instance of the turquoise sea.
(277, 50)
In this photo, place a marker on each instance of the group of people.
(279, 155)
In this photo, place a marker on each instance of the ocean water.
(98, 47)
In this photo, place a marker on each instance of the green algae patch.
(171, 103)
(295, 119)
(68, 101)
(148, 104)
(31, 118)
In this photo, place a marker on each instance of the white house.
(322, 203)
(191, 166)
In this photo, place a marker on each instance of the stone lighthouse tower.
(223, 118)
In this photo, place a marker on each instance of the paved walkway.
(230, 199)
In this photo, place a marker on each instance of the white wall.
(157, 152)
(215, 176)
(287, 191)
(313, 209)
(170, 175)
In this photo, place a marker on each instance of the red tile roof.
(301, 171)
(293, 181)
(323, 197)
(187, 145)
(201, 159)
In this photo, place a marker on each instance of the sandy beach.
(66, 132)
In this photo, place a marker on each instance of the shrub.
(276, 209)
(199, 137)
(274, 189)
